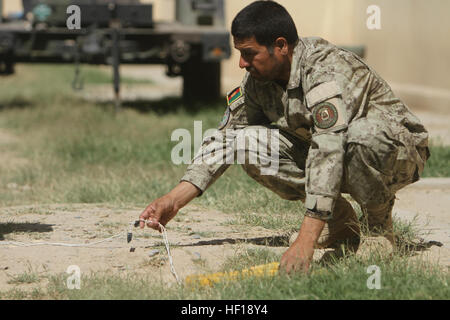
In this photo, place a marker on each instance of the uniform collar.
(295, 77)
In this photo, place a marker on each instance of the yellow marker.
(269, 269)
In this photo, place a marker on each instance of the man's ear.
(282, 45)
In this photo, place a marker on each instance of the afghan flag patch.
(234, 95)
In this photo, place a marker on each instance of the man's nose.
(243, 63)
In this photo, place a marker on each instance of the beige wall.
(12, 5)
(411, 51)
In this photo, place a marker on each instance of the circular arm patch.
(325, 115)
(225, 119)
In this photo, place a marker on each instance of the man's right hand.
(163, 209)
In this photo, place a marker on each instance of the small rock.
(378, 246)
(4, 268)
(197, 255)
(196, 236)
(153, 253)
(77, 217)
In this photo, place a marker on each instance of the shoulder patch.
(322, 92)
(327, 108)
(234, 95)
(225, 119)
(325, 115)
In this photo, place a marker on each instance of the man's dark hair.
(266, 21)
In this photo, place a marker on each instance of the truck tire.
(201, 81)
(6, 67)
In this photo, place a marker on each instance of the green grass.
(400, 278)
(51, 84)
(345, 279)
(66, 150)
(25, 277)
(439, 163)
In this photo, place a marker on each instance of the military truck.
(115, 32)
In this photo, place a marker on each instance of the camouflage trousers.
(372, 175)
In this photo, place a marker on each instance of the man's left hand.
(300, 254)
(297, 258)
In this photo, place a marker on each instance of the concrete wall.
(411, 51)
(11, 6)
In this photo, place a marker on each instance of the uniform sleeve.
(335, 89)
(213, 157)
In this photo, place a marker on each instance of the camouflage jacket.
(328, 89)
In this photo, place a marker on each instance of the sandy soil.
(189, 235)
(200, 239)
(427, 204)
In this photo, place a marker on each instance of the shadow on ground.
(167, 105)
(161, 106)
(16, 103)
(403, 248)
(12, 227)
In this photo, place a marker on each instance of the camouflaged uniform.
(342, 130)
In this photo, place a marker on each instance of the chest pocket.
(327, 107)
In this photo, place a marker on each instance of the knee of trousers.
(376, 164)
(368, 174)
(277, 170)
(379, 216)
(288, 183)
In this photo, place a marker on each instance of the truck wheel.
(201, 81)
(9, 67)
(6, 67)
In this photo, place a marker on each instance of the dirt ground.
(83, 224)
(201, 239)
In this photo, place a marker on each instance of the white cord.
(166, 243)
(87, 245)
